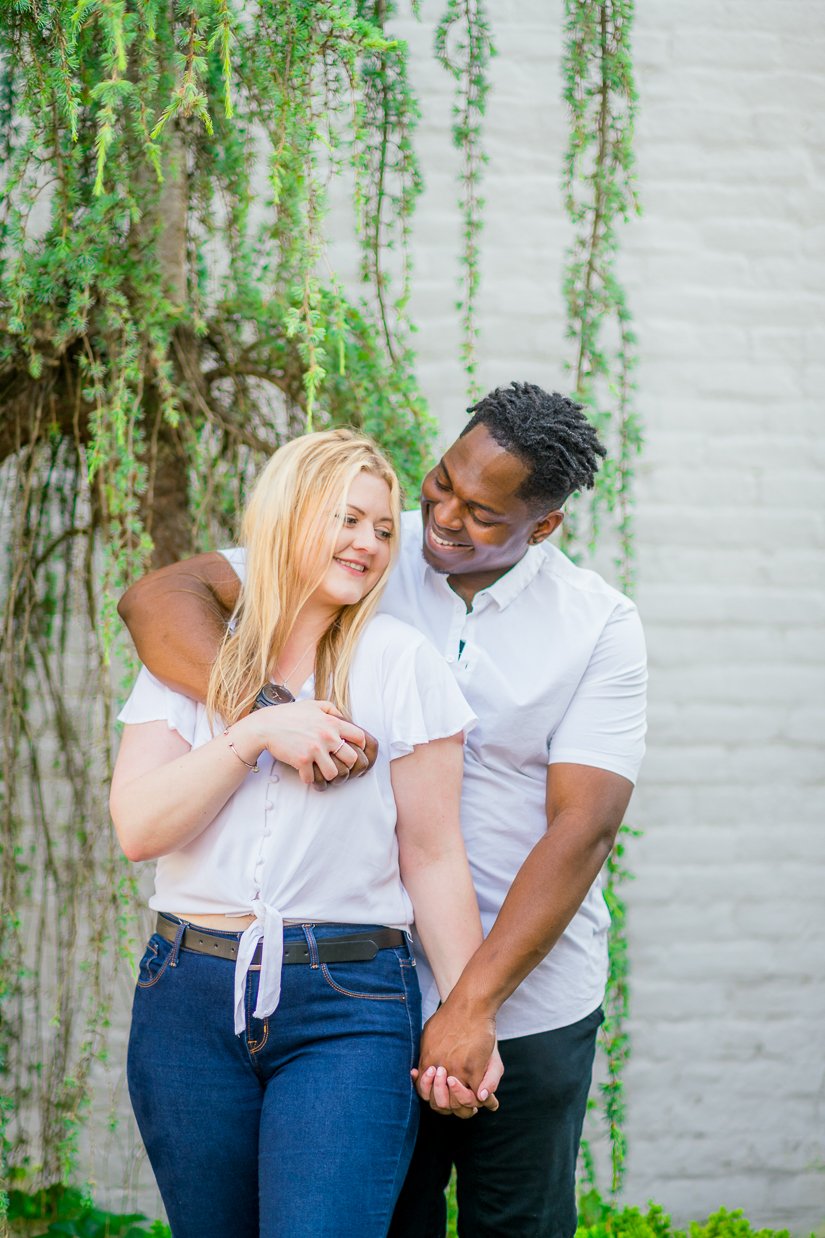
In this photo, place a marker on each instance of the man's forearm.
(544, 897)
(585, 806)
(547, 891)
(177, 617)
(177, 620)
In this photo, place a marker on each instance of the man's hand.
(463, 1046)
(364, 761)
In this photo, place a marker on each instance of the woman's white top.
(280, 849)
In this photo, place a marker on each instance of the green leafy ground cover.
(65, 1212)
(601, 1219)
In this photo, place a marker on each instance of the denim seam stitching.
(255, 1046)
(413, 1095)
(148, 984)
(247, 1002)
(367, 997)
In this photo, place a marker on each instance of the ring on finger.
(338, 749)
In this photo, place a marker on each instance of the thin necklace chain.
(283, 681)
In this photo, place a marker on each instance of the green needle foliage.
(168, 316)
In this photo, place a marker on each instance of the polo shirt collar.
(507, 588)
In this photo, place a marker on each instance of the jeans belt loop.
(176, 944)
(312, 946)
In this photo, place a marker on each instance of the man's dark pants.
(515, 1168)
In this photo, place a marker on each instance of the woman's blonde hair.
(295, 511)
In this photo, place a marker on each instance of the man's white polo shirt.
(551, 660)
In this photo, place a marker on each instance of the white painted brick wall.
(726, 273)
(726, 277)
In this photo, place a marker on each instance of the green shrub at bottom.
(66, 1212)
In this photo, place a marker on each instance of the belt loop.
(176, 944)
(410, 949)
(312, 946)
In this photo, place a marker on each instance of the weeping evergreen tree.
(168, 317)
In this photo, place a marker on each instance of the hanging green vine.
(601, 96)
(167, 318)
(390, 176)
(464, 46)
(388, 185)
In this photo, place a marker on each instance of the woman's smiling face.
(363, 545)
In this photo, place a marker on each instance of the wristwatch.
(273, 694)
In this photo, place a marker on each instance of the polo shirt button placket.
(456, 628)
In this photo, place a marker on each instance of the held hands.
(459, 1067)
(364, 760)
(446, 1094)
(311, 736)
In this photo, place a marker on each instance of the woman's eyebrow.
(361, 512)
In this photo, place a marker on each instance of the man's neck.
(468, 584)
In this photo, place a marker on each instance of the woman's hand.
(164, 794)
(304, 734)
(446, 1094)
(364, 761)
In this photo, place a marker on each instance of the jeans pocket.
(379, 980)
(155, 961)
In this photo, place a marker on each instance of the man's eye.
(487, 524)
(440, 483)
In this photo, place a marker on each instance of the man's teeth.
(442, 542)
(358, 567)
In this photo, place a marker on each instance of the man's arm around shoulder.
(177, 617)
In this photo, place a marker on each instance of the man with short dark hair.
(551, 660)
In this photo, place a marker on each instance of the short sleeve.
(604, 724)
(151, 701)
(422, 700)
(236, 558)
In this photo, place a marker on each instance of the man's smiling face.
(474, 522)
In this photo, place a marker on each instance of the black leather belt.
(357, 948)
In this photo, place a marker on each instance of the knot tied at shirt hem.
(268, 928)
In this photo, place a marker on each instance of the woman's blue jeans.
(302, 1127)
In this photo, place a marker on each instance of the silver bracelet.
(256, 769)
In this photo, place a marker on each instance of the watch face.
(273, 694)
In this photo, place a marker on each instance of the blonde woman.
(276, 1015)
